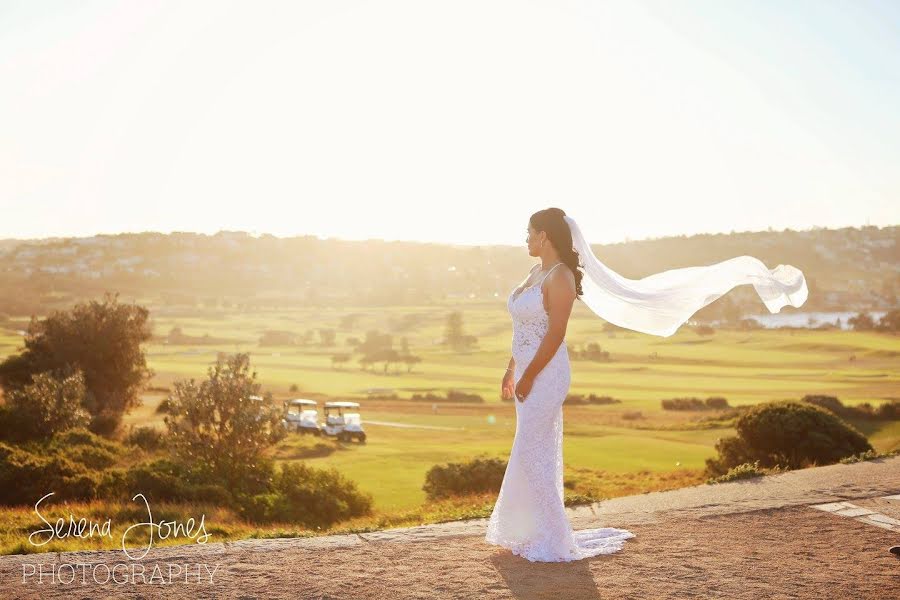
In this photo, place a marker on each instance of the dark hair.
(551, 221)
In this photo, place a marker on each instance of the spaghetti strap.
(548, 272)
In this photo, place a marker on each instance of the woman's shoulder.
(562, 276)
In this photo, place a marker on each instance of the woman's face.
(534, 242)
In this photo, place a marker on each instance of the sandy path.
(752, 539)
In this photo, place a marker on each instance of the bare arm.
(560, 292)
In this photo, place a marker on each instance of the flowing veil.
(659, 304)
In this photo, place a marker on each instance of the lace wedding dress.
(529, 517)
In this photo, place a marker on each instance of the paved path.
(812, 533)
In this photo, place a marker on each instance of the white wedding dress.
(529, 517)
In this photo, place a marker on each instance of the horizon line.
(258, 234)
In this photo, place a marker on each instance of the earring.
(542, 244)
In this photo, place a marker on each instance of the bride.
(529, 517)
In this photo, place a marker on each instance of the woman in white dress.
(529, 517)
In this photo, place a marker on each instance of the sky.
(448, 122)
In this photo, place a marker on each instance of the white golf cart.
(342, 421)
(301, 416)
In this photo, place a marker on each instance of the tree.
(453, 330)
(862, 322)
(410, 360)
(327, 336)
(222, 427)
(454, 335)
(340, 359)
(102, 340)
(890, 321)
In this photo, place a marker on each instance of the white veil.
(659, 304)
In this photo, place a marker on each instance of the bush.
(716, 402)
(223, 427)
(742, 471)
(25, 477)
(75, 465)
(692, 403)
(50, 404)
(86, 448)
(890, 321)
(452, 396)
(145, 438)
(789, 434)
(888, 411)
(82, 437)
(96, 459)
(308, 496)
(168, 481)
(827, 402)
(868, 455)
(591, 351)
(475, 476)
(590, 399)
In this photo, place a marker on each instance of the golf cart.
(342, 421)
(301, 416)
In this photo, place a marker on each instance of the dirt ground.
(796, 552)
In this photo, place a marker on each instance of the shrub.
(452, 396)
(223, 427)
(27, 476)
(870, 455)
(458, 396)
(86, 448)
(890, 321)
(575, 399)
(73, 464)
(308, 496)
(692, 403)
(145, 438)
(742, 471)
(683, 404)
(888, 411)
(590, 399)
(474, 476)
(591, 351)
(82, 437)
(716, 402)
(96, 459)
(827, 402)
(790, 434)
(165, 480)
(50, 404)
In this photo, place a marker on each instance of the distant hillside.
(847, 269)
